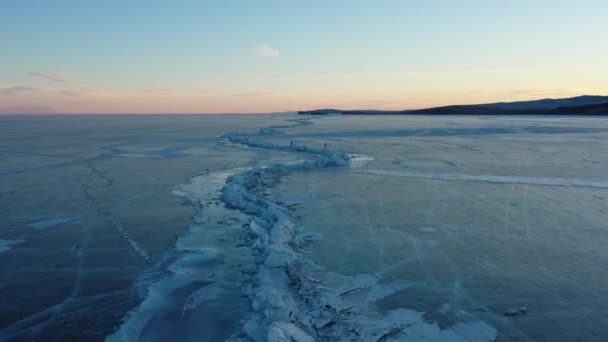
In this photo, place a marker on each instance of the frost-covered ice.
(548, 181)
(343, 229)
(6, 245)
(294, 299)
(464, 225)
(96, 269)
(52, 222)
(198, 276)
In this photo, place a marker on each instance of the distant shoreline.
(580, 105)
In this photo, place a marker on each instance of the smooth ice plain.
(277, 227)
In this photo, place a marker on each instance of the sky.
(248, 56)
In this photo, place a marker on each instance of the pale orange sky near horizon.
(253, 57)
(380, 93)
(388, 92)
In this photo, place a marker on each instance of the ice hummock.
(6, 245)
(290, 297)
(295, 299)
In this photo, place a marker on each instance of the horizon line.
(287, 111)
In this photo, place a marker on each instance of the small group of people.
(324, 144)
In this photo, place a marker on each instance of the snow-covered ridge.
(294, 299)
(192, 264)
(279, 313)
(288, 297)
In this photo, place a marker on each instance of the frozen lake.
(479, 216)
(261, 227)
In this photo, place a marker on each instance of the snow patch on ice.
(5, 245)
(52, 222)
(547, 181)
(134, 245)
(359, 160)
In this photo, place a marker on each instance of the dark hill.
(579, 105)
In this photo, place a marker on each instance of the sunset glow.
(207, 57)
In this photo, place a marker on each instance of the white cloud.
(247, 94)
(69, 93)
(9, 90)
(50, 76)
(265, 50)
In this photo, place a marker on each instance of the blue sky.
(257, 56)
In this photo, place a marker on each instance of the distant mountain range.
(579, 105)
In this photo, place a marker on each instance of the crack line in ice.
(295, 299)
(185, 265)
(546, 181)
(291, 297)
(52, 222)
(36, 322)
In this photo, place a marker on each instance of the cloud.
(247, 94)
(50, 76)
(265, 50)
(69, 93)
(14, 89)
(154, 90)
(88, 89)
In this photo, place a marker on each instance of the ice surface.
(318, 229)
(6, 245)
(95, 269)
(465, 222)
(51, 222)
(288, 303)
(193, 266)
(547, 181)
